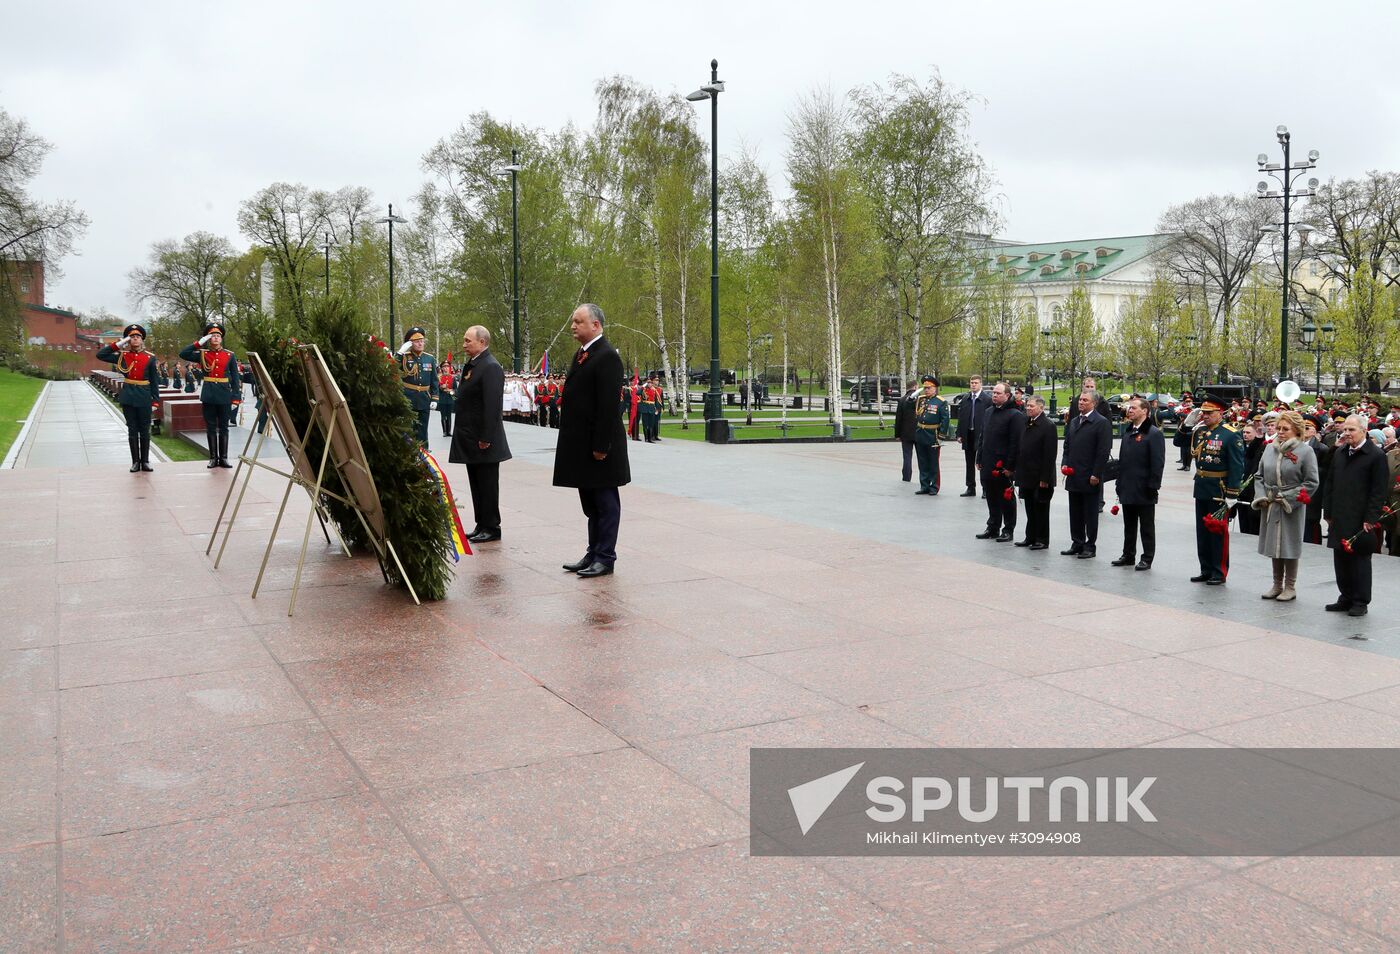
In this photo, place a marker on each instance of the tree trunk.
(660, 315)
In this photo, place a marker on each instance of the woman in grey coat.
(1287, 468)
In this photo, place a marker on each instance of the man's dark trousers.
(1210, 547)
(1084, 517)
(908, 448)
(1037, 519)
(1354, 571)
(603, 508)
(970, 452)
(485, 481)
(929, 477)
(1142, 516)
(1001, 510)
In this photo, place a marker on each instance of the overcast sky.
(1093, 115)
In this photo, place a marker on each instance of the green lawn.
(177, 448)
(17, 396)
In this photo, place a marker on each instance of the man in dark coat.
(970, 412)
(1088, 437)
(592, 450)
(998, 446)
(1356, 493)
(1312, 520)
(479, 438)
(1142, 456)
(1035, 472)
(904, 430)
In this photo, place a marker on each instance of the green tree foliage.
(1080, 333)
(179, 285)
(1147, 336)
(1366, 321)
(1254, 339)
(367, 375)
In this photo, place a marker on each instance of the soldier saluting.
(222, 388)
(1219, 454)
(140, 390)
(418, 374)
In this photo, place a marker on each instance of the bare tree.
(180, 282)
(289, 221)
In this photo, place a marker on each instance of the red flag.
(632, 416)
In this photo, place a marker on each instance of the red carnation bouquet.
(1349, 544)
(1067, 471)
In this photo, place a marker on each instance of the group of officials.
(1014, 447)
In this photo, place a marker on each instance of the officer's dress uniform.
(931, 419)
(418, 374)
(1219, 455)
(140, 392)
(651, 414)
(220, 390)
(446, 403)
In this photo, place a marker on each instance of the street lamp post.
(1312, 340)
(326, 245)
(1051, 339)
(1285, 173)
(390, 219)
(715, 424)
(513, 169)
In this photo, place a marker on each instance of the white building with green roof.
(1042, 274)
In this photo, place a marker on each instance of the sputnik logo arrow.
(810, 800)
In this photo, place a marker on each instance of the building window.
(24, 286)
(1057, 314)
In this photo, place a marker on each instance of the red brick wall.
(28, 280)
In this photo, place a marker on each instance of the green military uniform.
(650, 412)
(931, 419)
(418, 373)
(1219, 455)
(220, 389)
(139, 394)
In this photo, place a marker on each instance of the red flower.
(1113, 510)
(1008, 494)
(1067, 471)
(999, 465)
(1346, 545)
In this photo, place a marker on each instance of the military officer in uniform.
(221, 388)
(651, 411)
(930, 423)
(1219, 455)
(446, 399)
(140, 390)
(418, 374)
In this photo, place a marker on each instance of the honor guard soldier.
(556, 400)
(650, 411)
(446, 399)
(1219, 455)
(140, 390)
(541, 392)
(418, 374)
(931, 419)
(220, 390)
(177, 380)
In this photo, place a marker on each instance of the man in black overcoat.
(998, 447)
(592, 450)
(1035, 472)
(970, 412)
(1088, 437)
(1142, 455)
(479, 437)
(904, 430)
(1357, 488)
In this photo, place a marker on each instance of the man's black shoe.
(1004, 538)
(1216, 581)
(484, 536)
(1024, 543)
(1143, 565)
(906, 479)
(225, 464)
(968, 493)
(1072, 551)
(135, 467)
(1184, 468)
(1357, 609)
(1123, 561)
(986, 535)
(919, 493)
(147, 467)
(1088, 553)
(1341, 606)
(1040, 546)
(213, 462)
(596, 569)
(1201, 578)
(579, 564)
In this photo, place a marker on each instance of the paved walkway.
(543, 762)
(73, 426)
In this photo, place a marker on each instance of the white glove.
(124, 342)
(406, 347)
(205, 340)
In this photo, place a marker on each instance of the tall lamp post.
(513, 169)
(327, 246)
(1052, 337)
(1285, 174)
(390, 219)
(716, 428)
(1314, 343)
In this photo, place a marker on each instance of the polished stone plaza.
(546, 763)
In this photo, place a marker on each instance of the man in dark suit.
(592, 450)
(998, 447)
(1142, 455)
(479, 438)
(1035, 472)
(1088, 438)
(970, 412)
(904, 430)
(1358, 487)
